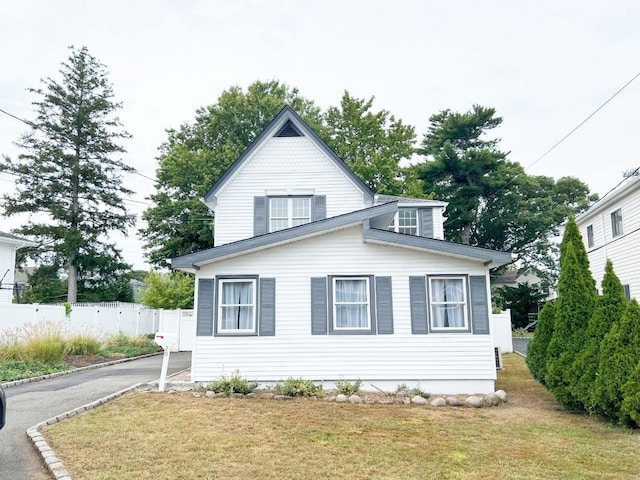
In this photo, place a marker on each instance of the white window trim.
(368, 304)
(289, 216)
(220, 305)
(621, 233)
(464, 303)
(394, 226)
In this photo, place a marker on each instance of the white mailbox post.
(166, 341)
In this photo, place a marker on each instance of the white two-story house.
(611, 230)
(314, 276)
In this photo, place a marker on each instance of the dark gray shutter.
(418, 301)
(426, 222)
(319, 306)
(259, 216)
(204, 318)
(319, 207)
(479, 304)
(267, 316)
(384, 305)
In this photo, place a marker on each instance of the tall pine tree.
(537, 349)
(573, 309)
(68, 171)
(609, 309)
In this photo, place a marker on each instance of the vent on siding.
(289, 130)
(498, 354)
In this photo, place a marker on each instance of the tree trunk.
(466, 234)
(72, 284)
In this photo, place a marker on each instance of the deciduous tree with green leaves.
(168, 291)
(69, 170)
(373, 145)
(197, 154)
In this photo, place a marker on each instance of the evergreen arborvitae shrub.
(631, 397)
(537, 349)
(609, 309)
(572, 312)
(619, 357)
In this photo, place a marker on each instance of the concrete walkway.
(31, 403)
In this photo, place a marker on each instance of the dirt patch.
(78, 361)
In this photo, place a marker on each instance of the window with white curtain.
(448, 300)
(287, 212)
(236, 305)
(351, 303)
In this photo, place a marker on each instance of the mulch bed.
(78, 361)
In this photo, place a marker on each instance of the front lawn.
(167, 436)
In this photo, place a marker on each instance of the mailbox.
(165, 339)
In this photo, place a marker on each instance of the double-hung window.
(616, 223)
(351, 303)
(405, 221)
(237, 305)
(448, 300)
(287, 212)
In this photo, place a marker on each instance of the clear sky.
(545, 66)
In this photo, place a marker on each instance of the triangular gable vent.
(289, 130)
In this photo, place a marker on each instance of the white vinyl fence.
(501, 331)
(102, 320)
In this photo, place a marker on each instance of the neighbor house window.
(448, 300)
(405, 221)
(351, 303)
(616, 223)
(287, 212)
(590, 242)
(237, 305)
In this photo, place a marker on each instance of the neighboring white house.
(611, 230)
(314, 276)
(8, 246)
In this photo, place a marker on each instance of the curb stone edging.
(53, 463)
(22, 381)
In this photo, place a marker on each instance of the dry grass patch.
(160, 436)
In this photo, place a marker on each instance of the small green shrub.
(298, 387)
(11, 370)
(121, 345)
(82, 345)
(347, 388)
(403, 389)
(232, 384)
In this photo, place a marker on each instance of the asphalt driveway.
(31, 403)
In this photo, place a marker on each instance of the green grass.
(11, 370)
(530, 437)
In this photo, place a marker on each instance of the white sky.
(545, 66)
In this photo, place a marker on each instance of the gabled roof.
(624, 188)
(8, 238)
(374, 218)
(286, 116)
(489, 257)
(380, 198)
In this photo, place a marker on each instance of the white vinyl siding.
(7, 268)
(281, 167)
(439, 362)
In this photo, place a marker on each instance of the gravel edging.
(75, 370)
(53, 463)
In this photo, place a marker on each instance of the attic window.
(289, 130)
